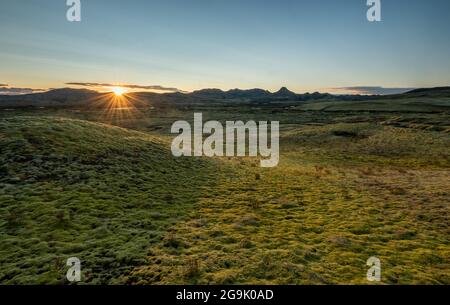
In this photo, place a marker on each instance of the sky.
(310, 45)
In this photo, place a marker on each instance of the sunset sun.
(118, 91)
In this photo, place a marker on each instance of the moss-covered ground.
(349, 186)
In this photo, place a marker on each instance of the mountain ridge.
(67, 97)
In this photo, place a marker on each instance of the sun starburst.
(119, 91)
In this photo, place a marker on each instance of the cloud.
(17, 91)
(3, 85)
(372, 90)
(129, 86)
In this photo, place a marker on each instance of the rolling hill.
(70, 188)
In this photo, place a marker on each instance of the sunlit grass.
(335, 200)
(343, 192)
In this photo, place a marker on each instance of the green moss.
(350, 185)
(96, 192)
(320, 216)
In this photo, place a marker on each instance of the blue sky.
(191, 44)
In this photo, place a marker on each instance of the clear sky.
(191, 44)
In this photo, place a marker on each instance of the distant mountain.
(251, 93)
(68, 97)
(245, 94)
(55, 97)
(285, 92)
(231, 94)
(428, 91)
(260, 95)
(214, 93)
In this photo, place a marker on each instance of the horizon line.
(106, 88)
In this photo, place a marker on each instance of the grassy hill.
(100, 193)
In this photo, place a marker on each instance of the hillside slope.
(103, 194)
